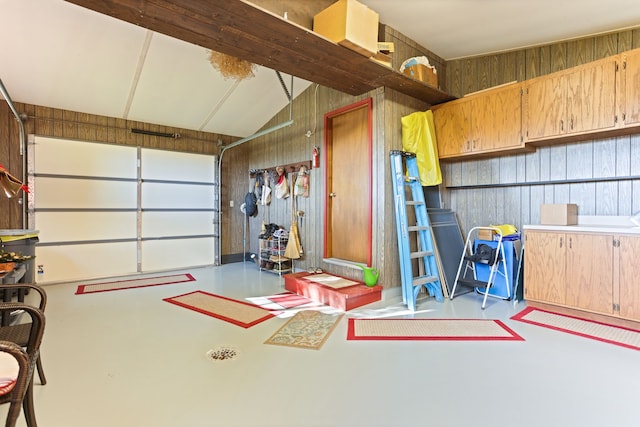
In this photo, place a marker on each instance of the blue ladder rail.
(425, 254)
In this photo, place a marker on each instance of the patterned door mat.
(307, 329)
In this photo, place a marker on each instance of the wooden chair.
(21, 394)
(19, 333)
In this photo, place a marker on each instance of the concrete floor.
(128, 359)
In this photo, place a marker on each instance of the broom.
(293, 249)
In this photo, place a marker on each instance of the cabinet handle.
(561, 125)
(570, 242)
(332, 194)
(571, 124)
(561, 241)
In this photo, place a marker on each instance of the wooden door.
(590, 272)
(545, 106)
(629, 252)
(544, 271)
(631, 85)
(452, 122)
(348, 185)
(591, 93)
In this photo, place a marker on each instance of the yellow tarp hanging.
(419, 137)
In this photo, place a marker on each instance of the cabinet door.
(453, 126)
(591, 97)
(589, 279)
(546, 106)
(544, 267)
(629, 252)
(631, 87)
(506, 124)
(482, 117)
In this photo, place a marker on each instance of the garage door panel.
(79, 226)
(68, 157)
(162, 224)
(172, 166)
(82, 262)
(60, 193)
(176, 196)
(176, 253)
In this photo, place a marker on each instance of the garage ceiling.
(60, 55)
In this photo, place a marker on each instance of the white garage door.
(107, 210)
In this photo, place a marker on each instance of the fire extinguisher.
(315, 157)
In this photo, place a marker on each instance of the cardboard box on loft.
(559, 214)
(423, 73)
(350, 24)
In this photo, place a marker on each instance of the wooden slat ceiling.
(248, 32)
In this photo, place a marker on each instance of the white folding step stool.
(492, 257)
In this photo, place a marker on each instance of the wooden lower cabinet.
(544, 267)
(629, 277)
(594, 272)
(589, 279)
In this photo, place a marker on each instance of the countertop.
(593, 224)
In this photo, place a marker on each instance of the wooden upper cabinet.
(575, 101)
(592, 97)
(545, 106)
(486, 122)
(630, 88)
(452, 121)
(597, 99)
(503, 118)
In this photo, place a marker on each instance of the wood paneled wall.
(511, 189)
(290, 145)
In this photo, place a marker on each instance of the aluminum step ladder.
(494, 258)
(428, 275)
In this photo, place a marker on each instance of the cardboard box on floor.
(559, 214)
(350, 24)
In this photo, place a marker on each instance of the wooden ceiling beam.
(243, 30)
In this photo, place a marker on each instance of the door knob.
(332, 194)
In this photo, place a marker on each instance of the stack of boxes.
(353, 25)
